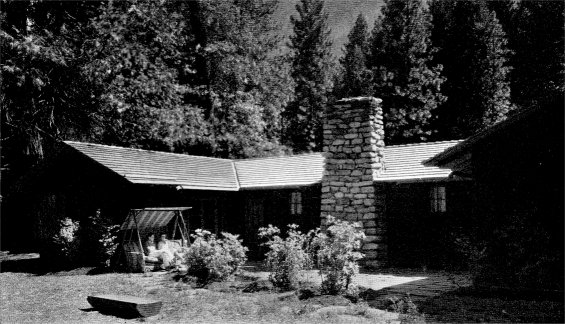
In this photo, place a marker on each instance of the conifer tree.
(243, 80)
(134, 52)
(355, 77)
(473, 50)
(535, 35)
(401, 54)
(310, 70)
(43, 95)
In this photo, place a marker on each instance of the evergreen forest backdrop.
(247, 78)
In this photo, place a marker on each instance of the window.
(437, 199)
(296, 203)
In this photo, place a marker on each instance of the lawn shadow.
(30, 264)
(441, 299)
(380, 290)
(120, 313)
(469, 304)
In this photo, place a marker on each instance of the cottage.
(406, 207)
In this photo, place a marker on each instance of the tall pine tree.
(535, 34)
(311, 61)
(473, 49)
(43, 95)
(135, 52)
(244, 81)
(355, 78)
(401, 54)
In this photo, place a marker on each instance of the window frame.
(296, 203)
(438, 199)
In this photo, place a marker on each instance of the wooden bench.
(125, 305)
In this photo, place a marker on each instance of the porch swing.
(143, 223)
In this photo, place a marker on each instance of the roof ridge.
(144, 150)
(424, 143)
(278, 157)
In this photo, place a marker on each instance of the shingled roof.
(152, 167)
(294, 170)
(405, 162)
(402, 163)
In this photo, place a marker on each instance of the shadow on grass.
(468, 304)
(36, 266)
(471, 305)
(120, 313)
(32, 265)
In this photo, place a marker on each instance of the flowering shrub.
(286, 258)
(100, 239)
(67, 240)
(209, 258)
(109, 242)
(336, 254)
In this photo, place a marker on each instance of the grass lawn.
(61, 297)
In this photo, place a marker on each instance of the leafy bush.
(100, 239)
(67, 241)
(406, 307)
(516, 253)
(211, 259)
(109, 243)
(337, 256)
(287, 257)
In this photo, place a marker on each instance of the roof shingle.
(152, 167)
(402, 163)
(294, 170)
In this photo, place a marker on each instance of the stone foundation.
(353, 149)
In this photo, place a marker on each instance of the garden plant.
(212, 259)
(286, 257)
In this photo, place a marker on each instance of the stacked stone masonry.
(353, 149)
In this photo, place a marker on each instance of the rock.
(259, 285)
(287, 296)
(377, 314)
(307, 293)
(369, 294)
(325, 312)
(330, 300)
(224, 286)
(286, 310)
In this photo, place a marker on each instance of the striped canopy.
(151, 217)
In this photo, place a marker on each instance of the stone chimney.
(354, 157)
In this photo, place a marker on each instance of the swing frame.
(149, 218)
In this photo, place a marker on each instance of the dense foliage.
(241, 79)
(134, 62)
(535, 32)
(66, 242)
(287, 257)
(404, 76)
(311, 72)
(473, 50)
(209, 258)
(43, 94)
(355, 78)
(334, 250)
(337, 254)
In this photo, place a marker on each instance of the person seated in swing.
(161, 253)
